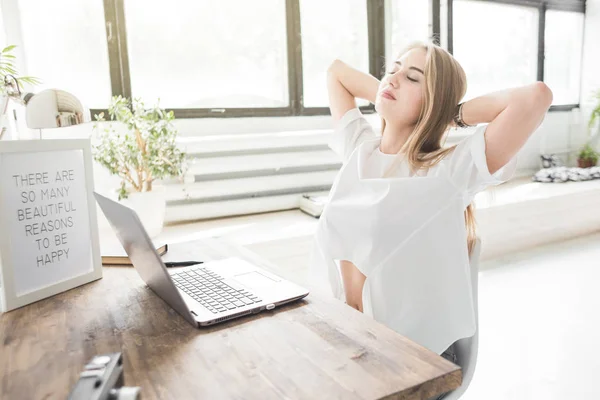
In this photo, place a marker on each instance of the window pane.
(331, 29)
(3, 43)
(496, 44)
(65, 46)
(205, 54)
(409, 22)
(562, 68)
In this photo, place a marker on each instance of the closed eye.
(410, 79)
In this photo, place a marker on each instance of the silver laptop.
(206, 294)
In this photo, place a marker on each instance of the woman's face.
(402, 89)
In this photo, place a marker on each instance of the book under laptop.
(213, 292)
(113, 254)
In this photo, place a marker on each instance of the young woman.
(402, 185)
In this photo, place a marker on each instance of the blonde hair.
(445, 86)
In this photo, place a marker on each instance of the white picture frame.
(49, 239)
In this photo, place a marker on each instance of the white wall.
(560, 132)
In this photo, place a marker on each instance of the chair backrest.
(474, 263)
(466, 349)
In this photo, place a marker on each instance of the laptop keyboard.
(208, 288)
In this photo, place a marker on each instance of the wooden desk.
(317, 348)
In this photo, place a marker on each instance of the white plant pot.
(150, 207)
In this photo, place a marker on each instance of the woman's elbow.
(334, 67)
(542, 95)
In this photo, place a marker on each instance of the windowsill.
(522, 190)
(195, 127)
(284, 225)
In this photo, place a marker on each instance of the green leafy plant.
(145, 151)
(596, 111)
(587, 153)
(8, 69)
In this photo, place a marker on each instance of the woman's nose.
(395, 80)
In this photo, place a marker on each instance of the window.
(230, 58)
(410, 21)
(496, 44)
(3, 43)
(563, 46)
(230, 53)
(65, 46)
(331, 29)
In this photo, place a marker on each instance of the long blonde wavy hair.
(445, 86)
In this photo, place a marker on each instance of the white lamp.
(53, 108)
(50, 108)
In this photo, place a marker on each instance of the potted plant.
(588, 157)
(139, 151)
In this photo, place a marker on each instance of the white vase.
(150, 207)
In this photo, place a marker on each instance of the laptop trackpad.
(254, 279)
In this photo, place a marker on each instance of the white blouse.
(406, 234)
(466, 165)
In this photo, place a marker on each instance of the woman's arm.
(344, 84)
(513, 115)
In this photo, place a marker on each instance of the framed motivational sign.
(48, 227)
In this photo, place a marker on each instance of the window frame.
(542, 6)
(116, 35)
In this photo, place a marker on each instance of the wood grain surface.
(317, 348)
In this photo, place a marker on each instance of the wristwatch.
(458, 117)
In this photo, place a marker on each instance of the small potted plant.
(587, 158)
(595, 116)
(139, 151)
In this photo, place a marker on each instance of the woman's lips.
(388, 95)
